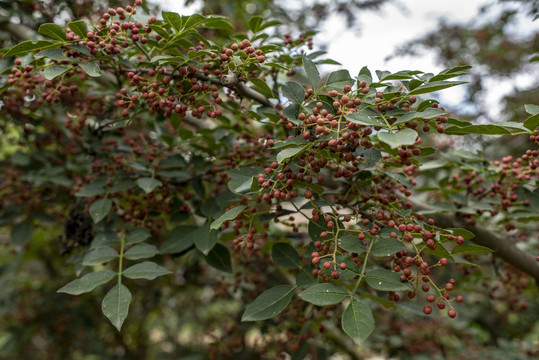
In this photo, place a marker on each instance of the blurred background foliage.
(172, 317)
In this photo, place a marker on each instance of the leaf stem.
(121, 257)
(362, 275)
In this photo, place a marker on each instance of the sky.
(397, 23)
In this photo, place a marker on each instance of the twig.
(143, 51)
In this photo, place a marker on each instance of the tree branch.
(503, 248)
(247, 92)
(239, 86)
(143, 51)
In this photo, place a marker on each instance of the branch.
(143, 51)
(19, 32)
(502, 247)
(237, 85)
(197, 123)
(247, 92)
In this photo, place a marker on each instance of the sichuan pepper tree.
(320, 199)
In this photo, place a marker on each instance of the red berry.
(427, 309)
(441, 305)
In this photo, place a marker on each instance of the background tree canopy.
(197, 187)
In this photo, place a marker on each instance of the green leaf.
(513, 125)
(285, 256)
(414, 84)
(365, 72)
(467, 235)
(28, 46)
(276, 65)
(94, 188)
(460, 260)
(338, 79)
(215, 22)
(532, 122)
(204, 238)
(137, 235)
(99, 255)
(305, 277)
(357, 321)
(262, 87)
(457, 69)
(525, 194)
(387, 247)
(269, 304)
(434, 164)
(364, 75)
(254, 23)
(148, 184)
(243, 179)
(54, 31)
(79, 48)
(440, 251)
(293, 91)
(227, 216)
(121, 186)
(293, 142)
(219, 258)
(178, 239)
(352, 244)
(367, 117)
(88, 282)
(79, 27)
(268, 24)
(316, 228)
(429, 113)
(401, 178)
(532, 109)
(159, 30)
(173, 19)
(386, 280)
(477, 129)
(101, 239)
(324, 294)
(396, 76)
(54, 54)
(146, 270)
(100, 209)
(471, 249)
(91, 68)
(141, 251)
(288, 153)
(372, 156)
(55, 70)
(435, 86)
(395, 140)
(163, 59)
(193, 21)
(312, 72)
(291, 112)
(21, 233)
(115, 305)
(426, 104)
